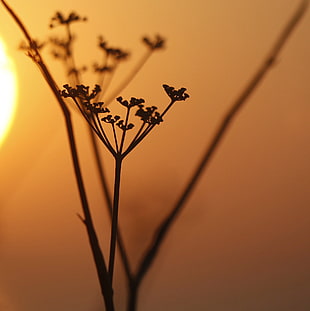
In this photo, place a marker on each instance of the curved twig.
(102, 272)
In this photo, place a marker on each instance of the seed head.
(175, 95)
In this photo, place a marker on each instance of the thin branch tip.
(266, 65)
(81, 218)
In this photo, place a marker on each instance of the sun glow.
(8, 90)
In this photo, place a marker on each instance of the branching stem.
(114, 225)
(165, 226)
(102, 272)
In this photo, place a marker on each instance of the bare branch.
(268, 62)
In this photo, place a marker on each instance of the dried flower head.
(175, 95)
(96, 108)
(133, 101)
(121, 124)
(116, 53)
(110, 119)
(92, 111)
(60, 19)
(154, 44)
(81, 92)
(149, 114)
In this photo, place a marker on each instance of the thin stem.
(124, 130)
(102, 78)
(106, 140)
(130, 77)
(103, 137)
(164, 227)
(115, 137)
(104, 185)
(95, 125)
(167, 108)
(133, 296)
(102, 273)
(101, 173)
(87, 118)
(141, 135)
(138, 133)
(138, 139)
(106, 287)
(72, 67)
(103, 73)
(114, 225)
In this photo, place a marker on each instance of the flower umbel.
(148, 115)
(116, 53)
(81, 92)
(154, 44)
(96, 108)
(133, 101)
(175, 95)
(60, 19)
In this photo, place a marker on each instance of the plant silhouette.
(112, 131)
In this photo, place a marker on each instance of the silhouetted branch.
(94, 113)
(165, 226)
(104, 186)
(102, 272)
(114, 223)
(74, 76)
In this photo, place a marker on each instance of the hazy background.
(242, 243)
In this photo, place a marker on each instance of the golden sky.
(242, 242)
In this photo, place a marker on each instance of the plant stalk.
(114, 224)
(257, 78)
(102, 273)
(133, 296)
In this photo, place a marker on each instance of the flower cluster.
(116, 53)
(123, 126)
(96, 108)
(81, 92)
(110, 119)
(133, 101)
(60, 19)
(149, 115)
(175, 95)
(120, 123)
(157, 43)
(84, 99)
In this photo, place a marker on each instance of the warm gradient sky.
(242, 244)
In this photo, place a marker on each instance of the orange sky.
(243, 241)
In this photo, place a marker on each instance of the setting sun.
(8, 92)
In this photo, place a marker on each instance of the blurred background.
(242, 242)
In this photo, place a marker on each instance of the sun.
(8, 92)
